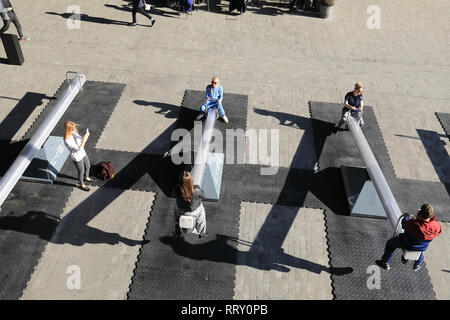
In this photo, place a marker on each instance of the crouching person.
(419, 232)
(189, 203)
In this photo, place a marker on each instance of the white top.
(77, 152)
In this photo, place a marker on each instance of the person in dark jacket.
(354, 103)
(8, 16)
(189, 202)
(138, 6)
(419, 232)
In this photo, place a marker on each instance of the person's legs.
(420, 260)
(344, 116)
(16, 22)
(6, 24)
(133, 13)
(202, 112)
(391, 245)
(80, 168)
(293, 5)
(361, 121)
(145, 13)
(87, 167)
(221, 111)
(200, 224)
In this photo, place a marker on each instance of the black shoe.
(404, 261)
(85, 188)
(385, 265)
(417, 267)
(153, 22)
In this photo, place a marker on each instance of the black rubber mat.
(235, 106)
(91, 108)
(444, 118)
(31, 213)
(354, 242)
(192, 268)
(28, 219)
(20, 113)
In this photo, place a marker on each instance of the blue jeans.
(213, 103)
(396, 243)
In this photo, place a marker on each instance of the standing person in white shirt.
(75, 143)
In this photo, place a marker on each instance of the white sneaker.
(199, 116)
(225, 119)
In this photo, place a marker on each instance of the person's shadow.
(154, 10)
(263, 258)
(87, 18)
(33, 222)
(168, 110)
(45, 226)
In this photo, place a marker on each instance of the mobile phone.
(87, 130)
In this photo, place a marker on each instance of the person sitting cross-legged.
(419, 232)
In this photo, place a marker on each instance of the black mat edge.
(147, 225)
(442, 124)
(49, 104)
(325, 220)
(331, 261)
(158, 194)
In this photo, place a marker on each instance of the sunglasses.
(214, 82)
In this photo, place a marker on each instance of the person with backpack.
(138, 6)
(8, 16)
(189, 202)
(419, 232)
(75, 143)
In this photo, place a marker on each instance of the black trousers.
(13, 18)
(296, 4)
(142, 11)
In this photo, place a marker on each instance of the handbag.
(147, 6)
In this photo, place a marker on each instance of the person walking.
(75, 143)
(189, 202)
(8, 16)
(353, 105)
(419, 232)
(139, 6)
(214, 97)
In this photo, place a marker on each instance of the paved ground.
(280, 61)
(306, 278)
(104, 250)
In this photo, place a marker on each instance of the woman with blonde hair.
(189, 202)
(75, 143)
